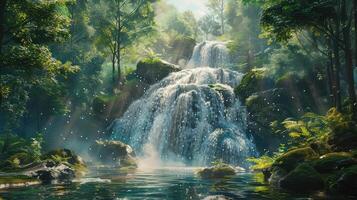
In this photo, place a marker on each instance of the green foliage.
(17, 152)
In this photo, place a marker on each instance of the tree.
(120, 24)
(208, 25)
(26, 62)
(217, 7)
(282, 19)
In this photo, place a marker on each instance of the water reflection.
(158, 184)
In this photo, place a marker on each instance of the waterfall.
(210, 54)
(191, 116)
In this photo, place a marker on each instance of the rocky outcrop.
(114, 153)
(152, 70)
(148, 72)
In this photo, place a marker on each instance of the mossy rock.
(152, 70)
(333, 161)
(254, 81)
(303, 178)
(345, 182)
(343, 137)
(66, 157)
(293, 158)
(219, 171)
(225, 92)
(110, 152)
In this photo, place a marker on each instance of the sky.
(198, 7)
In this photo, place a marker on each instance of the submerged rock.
(218, 171)
(110, 152)
(303, 178)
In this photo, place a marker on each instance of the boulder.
(333, 161)
(346, 181)
(293, 158)
(110, 152)
(303, 178)
(218, 171)
(252, 82)
(60, 173)
(343, 137)
(152, 70)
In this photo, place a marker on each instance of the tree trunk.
(2, 21)
(118, 18)
(349, 59)
(355, 21)
(337, 85)
(222, 16)
(113, 64)
(330, 80)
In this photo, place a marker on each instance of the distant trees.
(330, 19)
(218, 7)
(208, 25)
(120, 24)
(27, 65)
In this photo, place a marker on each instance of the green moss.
(303, 178)
(332, 161)
(16, 179)
(254, 81)
(217, 171)
(293, 158)
(154, 70)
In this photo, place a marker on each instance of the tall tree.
(217, 6)
(120, 24)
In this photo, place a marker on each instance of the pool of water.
(166, 183)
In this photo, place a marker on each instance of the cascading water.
(191, 116)
(210, 54)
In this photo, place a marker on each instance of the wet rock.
(304, 178)
(217, 197)
(219, 171)
(109, 152)
(60, 173)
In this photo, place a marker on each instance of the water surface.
(166, 183)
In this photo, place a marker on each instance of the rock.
(181, 48)
(303, 178)
(60, 173)
(66, 155)
(109, 107)
(152, 70)
(217, 197)
(109, 152)
(346, 182)
(219, 171)
(344, 137)
(293, 158)
(252, 82)
(265, 108)
(333, 161)
(225, 92)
